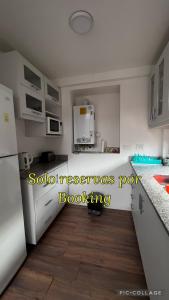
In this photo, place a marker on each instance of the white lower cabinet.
(47, 207)
(153, 241)
(41, 205)
(40, 190)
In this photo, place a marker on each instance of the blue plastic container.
(143, 159)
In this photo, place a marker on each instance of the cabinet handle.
(152, 115)
(47, 203)
(132, 185)
(35, 87)
(54, 99)
(141, 204)
(36, 112)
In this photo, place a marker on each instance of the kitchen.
(84, 109)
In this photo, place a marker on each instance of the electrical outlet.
(126, 147)
(139, 146)
(98, 134)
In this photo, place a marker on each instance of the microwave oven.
(54, 126)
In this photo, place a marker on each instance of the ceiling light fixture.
(81, 21)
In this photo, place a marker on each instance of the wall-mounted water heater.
(84, 124)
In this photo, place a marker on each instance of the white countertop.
(155, 191)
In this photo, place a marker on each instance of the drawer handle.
(48, 219)
(35, 87)
(47, 203)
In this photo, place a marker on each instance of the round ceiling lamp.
(81, 22)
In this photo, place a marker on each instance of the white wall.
(165, 141)
(134, 134)
(34, 145)
(107, 115)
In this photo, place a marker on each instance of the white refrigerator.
(12, 232)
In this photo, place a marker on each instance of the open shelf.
(51, 114)
(106, 102)
(53, 102)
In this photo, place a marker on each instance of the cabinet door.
(32, 106)
(153, 97)
(154, 246)
(137, 211)
(162, 88)
(52, 93)
(159, 91)
(166, 84)
(48, 206)
(30, 76)
(134, 203)
(40, 189)
(46, 211)
(61, 188)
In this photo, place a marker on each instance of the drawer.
(47, 207)
(43, 224)
(46, 204)
(40, 190)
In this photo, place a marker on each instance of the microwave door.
(53, 126)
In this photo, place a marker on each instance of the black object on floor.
(95, 203)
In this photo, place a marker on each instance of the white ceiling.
(127, 33)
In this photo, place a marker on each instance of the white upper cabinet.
(52, 93)
(31, 77)
(53, 105)
(159, 88)
(153, 96)
(27, 83)
(32, 106)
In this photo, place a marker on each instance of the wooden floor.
(82, 257)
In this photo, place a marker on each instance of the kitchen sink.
(162, 179)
